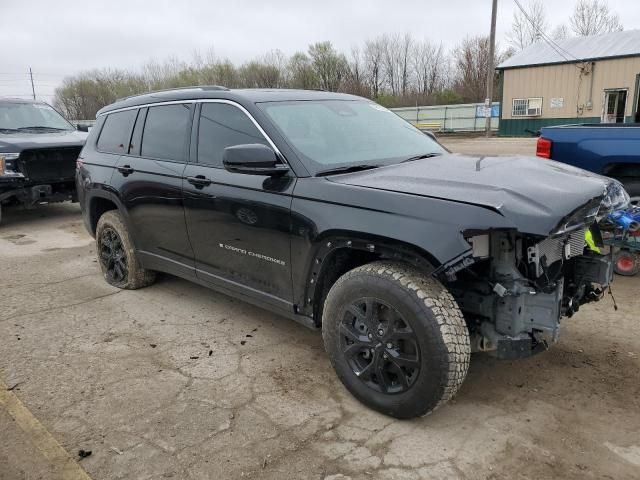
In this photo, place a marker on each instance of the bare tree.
(373, 65)
(355, 81)
(471, 63)
(560, 32)
(593, 17)
(529, 26)
(429, 66)
(396, 55)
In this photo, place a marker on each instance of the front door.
(239, 224)
(149, 180)
(615, 103)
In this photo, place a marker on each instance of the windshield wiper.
(347, 169)
(40, 127)
(2, 129)
(421, 156)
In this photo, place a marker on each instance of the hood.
(534, 194)
(17, 142)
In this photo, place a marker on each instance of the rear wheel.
(396, 339)
(117, 256)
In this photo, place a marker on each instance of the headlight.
(616, 197)
(7, 163)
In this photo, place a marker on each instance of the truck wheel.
(626, 263)
(117, 256)
(396, 338)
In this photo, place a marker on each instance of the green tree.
(329, 65)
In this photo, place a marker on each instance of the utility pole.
(488, 102)
(33, 89)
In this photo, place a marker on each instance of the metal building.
(577, 80)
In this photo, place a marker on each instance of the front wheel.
(396, 338)
(117, 255)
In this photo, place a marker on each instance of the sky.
(61, 38)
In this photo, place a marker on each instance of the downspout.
(589, 104)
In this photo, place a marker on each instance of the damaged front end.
(514, 288)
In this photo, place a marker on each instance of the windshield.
(23, 116)
(330, 134)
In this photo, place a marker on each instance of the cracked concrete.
(158, 383)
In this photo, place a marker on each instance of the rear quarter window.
(116, 132)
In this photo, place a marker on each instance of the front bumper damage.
(515, 288)
(513, 302)
(31, 195)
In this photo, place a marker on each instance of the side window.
(221, 126)
(165, 132)
(116, 132)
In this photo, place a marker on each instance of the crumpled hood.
(17, 142)
(534, 194)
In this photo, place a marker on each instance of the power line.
(557, 48)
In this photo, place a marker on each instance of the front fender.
(431, 228)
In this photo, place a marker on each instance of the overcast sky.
(58, 38)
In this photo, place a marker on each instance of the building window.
(526, 107)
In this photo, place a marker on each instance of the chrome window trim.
(207, 100)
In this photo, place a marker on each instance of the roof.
(216, 92)
(577, 49)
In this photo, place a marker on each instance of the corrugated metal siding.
(563, 81)
(614, 44)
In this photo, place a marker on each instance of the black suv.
(330, 209)
(38, 153)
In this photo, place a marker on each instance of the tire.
(117, 256)
(430, 331)
(626, 263)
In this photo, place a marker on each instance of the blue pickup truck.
(610, 149)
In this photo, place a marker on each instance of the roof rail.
(194, 87)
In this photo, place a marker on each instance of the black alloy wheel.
(379, 346)
(113, 257)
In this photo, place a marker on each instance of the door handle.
(125, 170)
(199, 181)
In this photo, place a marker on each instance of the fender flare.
(329, 244)
(105, 194)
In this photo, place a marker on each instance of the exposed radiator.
(556, 249)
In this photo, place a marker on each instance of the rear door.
(149, 181)
(239, 224)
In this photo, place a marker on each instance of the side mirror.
(82, 128)
(253, 159)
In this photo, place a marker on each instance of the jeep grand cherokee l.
(38, 153)
(330, 209)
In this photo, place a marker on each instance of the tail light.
(543, 147)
